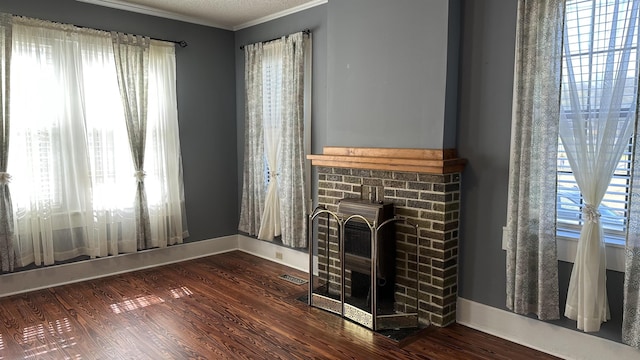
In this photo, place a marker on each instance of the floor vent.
(294, 279)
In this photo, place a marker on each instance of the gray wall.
(387, 68)
(484, 130)
(206, 103)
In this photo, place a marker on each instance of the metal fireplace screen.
(366, 301)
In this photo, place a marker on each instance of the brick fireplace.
(424, 186)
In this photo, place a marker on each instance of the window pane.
(591, 48)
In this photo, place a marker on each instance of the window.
(583, 56)
(272, 102)
(275, 191)
(614, 206)
(590, 49)
(73, 180)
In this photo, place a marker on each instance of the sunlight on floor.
(137, 303)
(38, 333)
(148, 300)
(180, 292)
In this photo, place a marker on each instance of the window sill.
(568, 246)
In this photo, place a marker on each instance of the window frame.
(567, 248)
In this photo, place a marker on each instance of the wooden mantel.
(427, 161)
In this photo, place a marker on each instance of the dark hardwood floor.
(228, 306)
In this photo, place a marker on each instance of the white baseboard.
(279, 254)
(45, 277)
(555, 340)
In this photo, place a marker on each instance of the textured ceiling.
(226, 14)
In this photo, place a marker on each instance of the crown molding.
(115, 4)
(121, 5)
(280, 14)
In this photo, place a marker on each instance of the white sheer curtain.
(58, 72)
(272, 121)
(274, 140)
(70, 160)
(163, 162)
(596, 124)
(532, 265)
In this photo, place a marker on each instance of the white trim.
(266, 250)
(141, 9)
(568, 247)
(45, 277)
(552, 339)
(50, 276)
(280, 14)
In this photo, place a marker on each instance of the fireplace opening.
(357, 252)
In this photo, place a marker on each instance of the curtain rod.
(181, 43)
(305, 31)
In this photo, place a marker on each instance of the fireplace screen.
(354, 281)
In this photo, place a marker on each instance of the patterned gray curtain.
(132, 65)
(7, 252)
(631, 307)
(292, 180)
(532, 266)
(253, 189)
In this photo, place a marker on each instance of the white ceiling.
(224, 14)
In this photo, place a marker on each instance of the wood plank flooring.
(228, 306)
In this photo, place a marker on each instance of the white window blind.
(588, 26)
